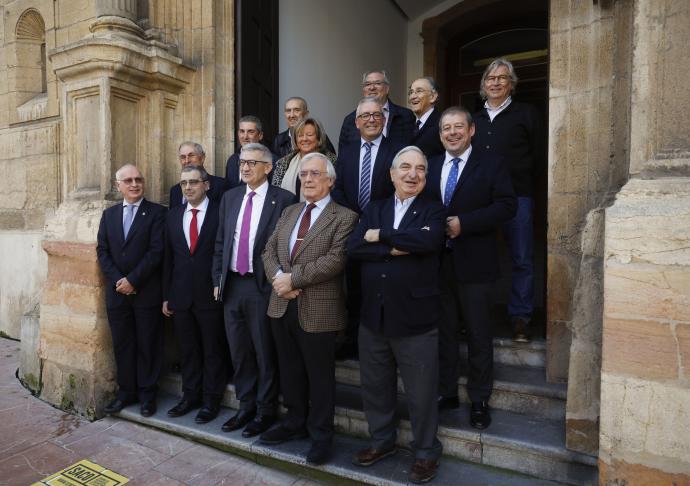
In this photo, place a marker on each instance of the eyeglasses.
(502, 78)
(314, 173)
(191, 182)
(376, 84)
(418, 91)
(189, 156)
(130, 181)
(251, 163)
(377, 115)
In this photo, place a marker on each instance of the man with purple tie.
(248, 214)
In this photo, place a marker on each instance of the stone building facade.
(87, 85)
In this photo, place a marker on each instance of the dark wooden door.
(256, 63)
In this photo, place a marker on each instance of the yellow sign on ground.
(82, 473)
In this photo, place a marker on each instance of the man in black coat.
(188, 297)
(478, 195)
(130, 251)
(422, 98)
(192, 153)
(398, 242)
(400, 121)
(295, 110)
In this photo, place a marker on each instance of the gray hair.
(251, 119)
(126, 166)
(197, 147)
(403, 151)
(368, 99)
(300, 99)
(266, 154)
(195, 168)
(380, 71)
(330, 168)
(455, 110)
(432, 83)
(320, 132)
(497, 63)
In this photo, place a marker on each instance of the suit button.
(488, 146)
(489, 133)
(383, 275)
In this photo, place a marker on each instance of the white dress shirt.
(315, 213)
(425, 117)
(187, 218)
(401, 208)
(387, 113)
(447, 165)
(257, 207)
(493, 112)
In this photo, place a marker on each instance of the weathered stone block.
(558, 336)
(621, 472)
(560, 283)
(29, 362)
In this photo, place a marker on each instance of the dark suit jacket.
(282, 145)
(400, 127)
(346, 190)
(276, 200)
(218, 186)
(138, 258)
(232, 171)
(428, 139)
(405, 287)
(317, 268)
(483, 200)
(186, 277)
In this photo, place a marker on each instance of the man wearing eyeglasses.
(130, 251)
(248, 215)
(399, 123)
(305, 259)
(188, 297)
(363, 176)
(192, 153)
(422, 98)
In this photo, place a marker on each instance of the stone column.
(645, 379)
(118, 94)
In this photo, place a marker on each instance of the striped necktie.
(365, 178)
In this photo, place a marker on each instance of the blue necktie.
(451, 182)
(365, 178)
(129, 217)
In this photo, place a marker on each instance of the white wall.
(325, 46)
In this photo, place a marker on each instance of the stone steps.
(532, 354)
(291, 455)
(526, 444)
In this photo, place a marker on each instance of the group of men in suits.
(408, 215)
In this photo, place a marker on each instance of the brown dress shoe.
(369, 456)
(423, 470)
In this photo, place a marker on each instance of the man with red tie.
(188, 297)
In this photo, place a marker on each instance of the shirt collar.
(464, 156)
(321, 203)
(137, 203)
(261, 190)
(499, 107)
(375, 142)
(426, 115)
(405, 203)
(201, 207)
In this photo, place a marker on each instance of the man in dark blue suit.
(249, 130)
(399, 120)
(363, 175)
(188, 297)
(398, 242)
(248, 215)
(479, 197)
(130, 251)
(192, 153)
(422, 97)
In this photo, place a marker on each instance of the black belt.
(246, 275)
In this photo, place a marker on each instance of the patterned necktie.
(129, 217)
(417, 126)
(365, 178)
(243, 247)
(451, 182)
(193, 232)
(302, 230)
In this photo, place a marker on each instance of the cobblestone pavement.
(37, 440)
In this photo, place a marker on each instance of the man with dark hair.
(192, 153)
(295, 110)
(249, 130)
(399, 120)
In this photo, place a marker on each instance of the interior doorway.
(466, 38)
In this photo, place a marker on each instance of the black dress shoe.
(148, 408)
(239, 420)
(448, 403)
(258, 426)
(117, 405)
(184, 407)
(281, 434)
(206, 414)
(319, 452)
(479, 415)
(521, 332)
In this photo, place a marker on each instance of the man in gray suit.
(305, 258)
(248, 215)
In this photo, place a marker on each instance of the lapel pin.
(426, 228)
(414, 212)
(273, 202)
(143, 214)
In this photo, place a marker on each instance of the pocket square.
(426, 228)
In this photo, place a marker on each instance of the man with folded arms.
(398, 242)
